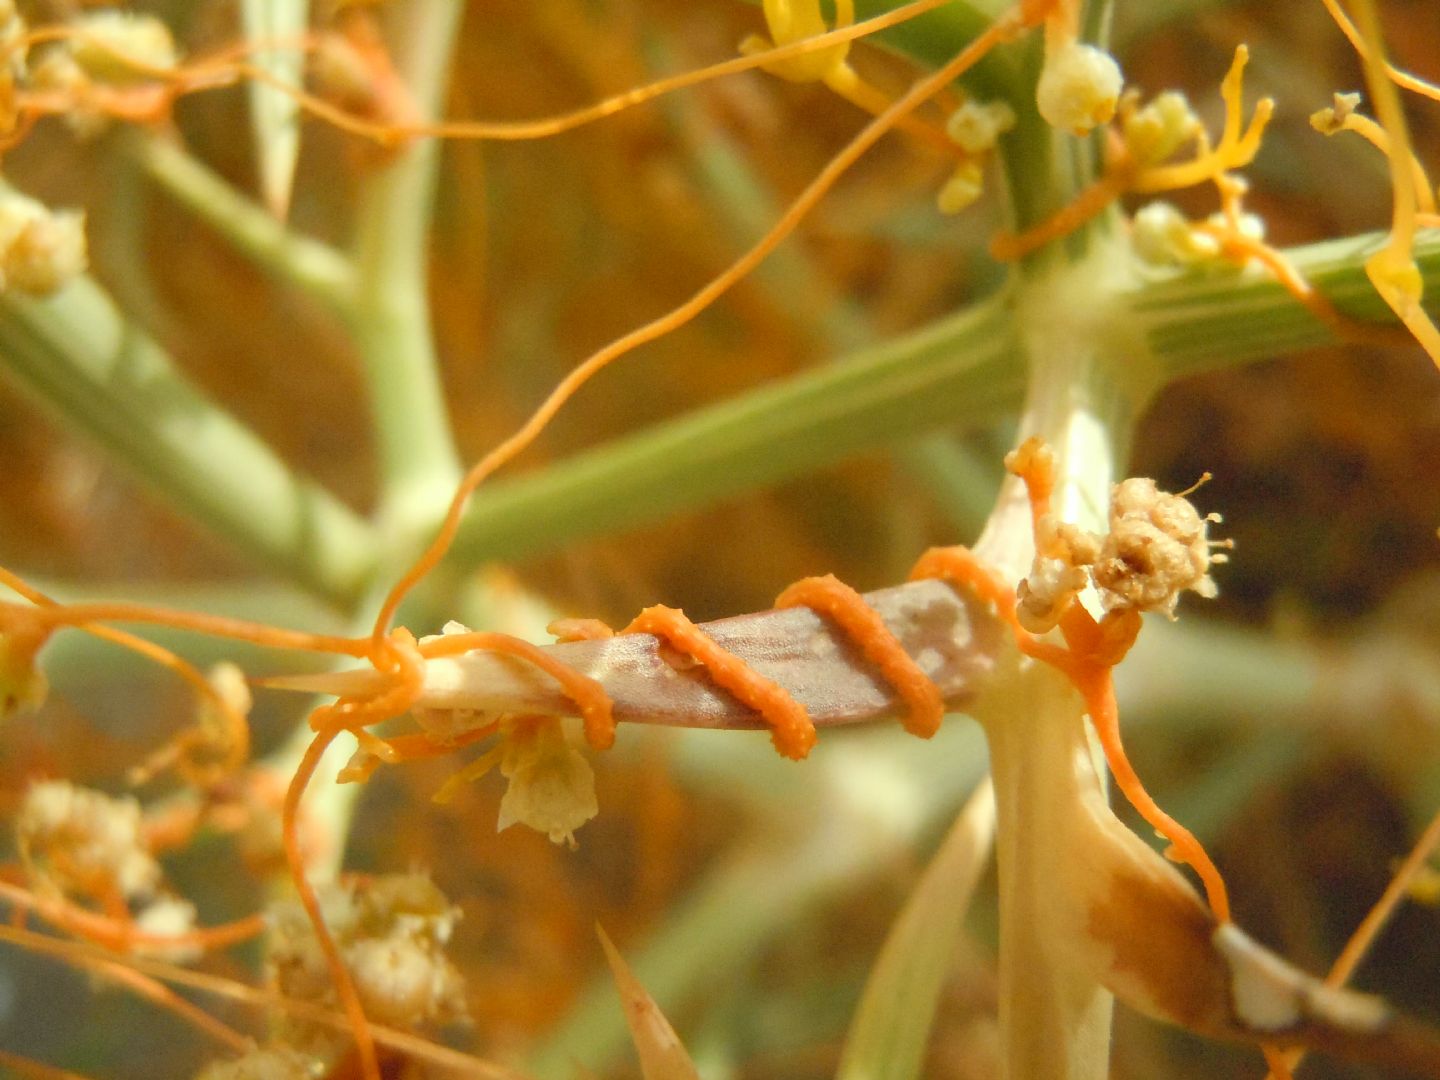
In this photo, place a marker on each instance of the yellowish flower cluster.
(392, 932)
(41, 249)
(1156, 548)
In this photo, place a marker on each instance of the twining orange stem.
(273, 637)
(344, 982)
(544, 127)
(1098, 690)
(236, 746)
(121, 934)
(1089, 204)
(1003, 28)
(832, 599)
(159, 994)
(1402, 79)
(1092, 679)
(84, 955)
(791, 729)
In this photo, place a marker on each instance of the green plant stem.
(1202, 321)
(390, 317)
(309, 264)
(957, 482)
(1082, 401)
(887, 1039)
(105, 379)
(962, 369)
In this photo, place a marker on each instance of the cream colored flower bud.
(1153, 133)
(40, 249)
(1079, 88)
(976, 126)
(1043, 595)
(122, 47)
(1163, 236)
(962, 189)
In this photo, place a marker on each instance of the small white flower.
(84, 841)
(118, 46)
(1153, 133)
(1163, 236)
(552, 787)
(404, 980)
(1079, 88)
(962, 189)
(168, 916)
(976, 126)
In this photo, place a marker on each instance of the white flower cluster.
(975, 127)
(391, 931)
(1164, 237)
(1155, 131)
(265, 1063)
(78, 842)
(40, 249)
(1157, 547)
(84, 842)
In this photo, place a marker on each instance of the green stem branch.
(106, 380)
(309, 264)
(391, 316)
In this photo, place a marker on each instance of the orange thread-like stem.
(791, 729)
(1000, 30)
(344, 982)
(1091, 677)
(832, 598)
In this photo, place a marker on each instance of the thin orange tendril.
(48, 614)
(791, 729)
(1092, 649)
(1005, 27)
(832, 599)
(1369, 929)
